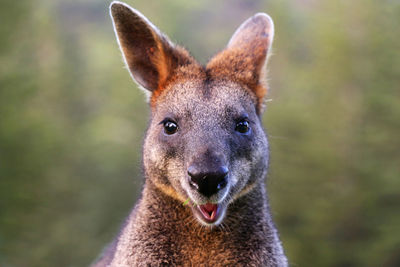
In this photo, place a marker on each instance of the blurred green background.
(72, 124)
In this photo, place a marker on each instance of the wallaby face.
(205, 145)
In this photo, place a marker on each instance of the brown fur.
(142, 46)
(206, 101)
(173, 64)
(244, 60)
(190, 72)
(190, 244)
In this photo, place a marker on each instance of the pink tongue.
(209, 207)
(209, 210)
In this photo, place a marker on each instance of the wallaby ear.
(151, 58)
(245, 57)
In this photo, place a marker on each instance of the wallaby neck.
(162, 230)
(246, 215)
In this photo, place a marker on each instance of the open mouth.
(209, 212)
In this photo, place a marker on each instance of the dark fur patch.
(240, 148)
(171, 152)
(207, 86)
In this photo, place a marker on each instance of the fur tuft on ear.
(245, 57)
(150, 56)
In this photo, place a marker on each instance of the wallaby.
(205, 153)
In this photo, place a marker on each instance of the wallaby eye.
(170, 127)
(242, 126)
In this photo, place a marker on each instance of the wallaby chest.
(165, 233)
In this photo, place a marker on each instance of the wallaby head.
(205, 144)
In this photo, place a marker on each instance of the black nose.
(207, 182)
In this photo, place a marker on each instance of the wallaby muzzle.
(208, 174)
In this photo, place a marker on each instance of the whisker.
(223, 228)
